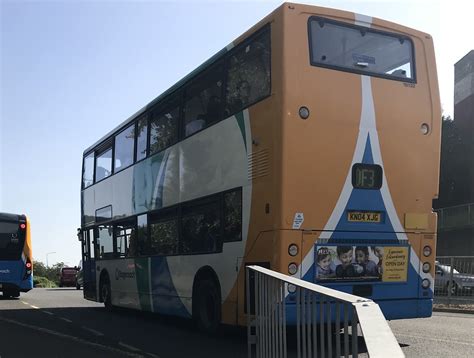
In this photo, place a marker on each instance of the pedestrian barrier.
(320, 315)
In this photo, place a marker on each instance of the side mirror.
(79, 234)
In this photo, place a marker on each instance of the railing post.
(249, 329)
(450, 283)
(313, 308)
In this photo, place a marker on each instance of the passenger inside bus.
(203, 120)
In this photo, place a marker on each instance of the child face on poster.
(362, 257)
(325, 262)
(345, 256)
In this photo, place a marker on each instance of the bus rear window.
(359, 49)
(11, 240)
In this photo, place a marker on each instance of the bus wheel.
(208, 306)
(11, 293)
(106, 293)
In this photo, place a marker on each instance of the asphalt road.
(60, 323)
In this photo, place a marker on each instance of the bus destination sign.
(364, 216)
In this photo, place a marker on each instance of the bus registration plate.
(363, 217)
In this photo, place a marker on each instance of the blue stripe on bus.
(374, 234)
(369, 200)
(13, 272)
(165, 297)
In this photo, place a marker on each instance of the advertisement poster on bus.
(361, 263)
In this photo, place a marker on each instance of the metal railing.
(454, 217)
(454, 279)
(319, 315)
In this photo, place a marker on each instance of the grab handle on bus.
(362, 64)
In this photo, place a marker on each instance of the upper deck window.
(164, 126)
(103, 165)
(249, 75)
(203, 101)
(124, 147)
(362, 50)
(88, 171)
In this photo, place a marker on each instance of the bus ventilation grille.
(259, 164)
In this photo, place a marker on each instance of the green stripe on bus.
(143, 283)
(241, 122)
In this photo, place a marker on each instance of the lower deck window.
(200, 226)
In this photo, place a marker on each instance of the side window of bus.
(164, 235)
(200, 228)
(105, 241)
(124, 148)
(142, 235)
(91, 243)
(248, 77)
(233, 216)
(142, 135)
(88, 171)
(203, 100)
(125, 240)
(164, 126)
(103, 164)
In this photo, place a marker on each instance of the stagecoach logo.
(14, 239)
(123, 275)
(5, 271)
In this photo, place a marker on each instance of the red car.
(67, 277)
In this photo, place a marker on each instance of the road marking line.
(47, 312)
(433, 339)
(132, 348)
(152, 355)
(36, 308)
(65, 319)
(76, 339)
(97, 333)
(25, 303)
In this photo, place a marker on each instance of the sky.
(71, 71)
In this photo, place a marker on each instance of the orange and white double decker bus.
(310, 145)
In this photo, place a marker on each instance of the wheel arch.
(205, 273)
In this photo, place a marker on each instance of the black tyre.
(78, 287)
(207, 306)
(11, 293)
(106, 292)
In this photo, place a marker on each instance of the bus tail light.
(22, 226)
(426, 267)
(292, 268)
(28, 267)
(427, 251)
(425, 283)
(293, 250)
(291, 288)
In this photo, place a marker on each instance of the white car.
(460, 281)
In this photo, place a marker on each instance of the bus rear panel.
(15, 255)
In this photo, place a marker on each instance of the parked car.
(79, 277)
(67, 277)
(460, 281)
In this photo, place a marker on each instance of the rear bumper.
(8, 286)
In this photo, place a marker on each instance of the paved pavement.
(60, 323)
